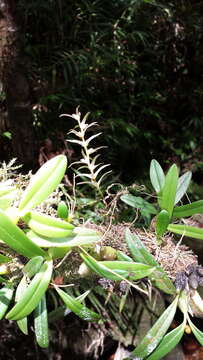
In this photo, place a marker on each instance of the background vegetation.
(136, 65)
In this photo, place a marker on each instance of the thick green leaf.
(23, 325)
(62, 311)
(195, 207)
(41, 323)
(102, 270)
(123, 257)
(138, 203)
(183, 183)
(168, 343)
(161, 281)
(33, 294)
(117, 275)
(141, 254)
(79, 309)
(20, 290)
(197, 333)
(6, 294)
(33, 266)
(162, 221)
(62, 210)
(138, 250)
(47, 220)
(85, 231)
(46, 225)
(183, 302)
(47, 242)
(186, 230)
(157, 176)
(134, 201)
(79, 237)
(169, 190)
(43, 183)
(22, 286)
(49, 231)
(12, 235)
(156, 333)
(134, 270)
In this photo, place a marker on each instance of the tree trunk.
(16, 86)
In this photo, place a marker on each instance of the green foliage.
(193, 208)
(44, 183)
(157, 176)
(34, 278)
(168, 343)
(139, 253)
(20, 291)
(170, 192)
(186, 230)
(41, 323)
(156, 333)
(117, 270)
(47, 226)
(33, 293)
(79, 309)
(16, 238)
(156, 343)
(146, 209)
(43, 238)
(62, 210)
(162, 221)
(197, 333)
(6, 294)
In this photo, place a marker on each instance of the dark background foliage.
(136, 65)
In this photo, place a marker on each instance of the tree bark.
(16, 86)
